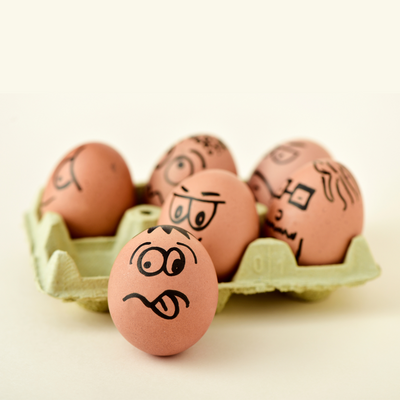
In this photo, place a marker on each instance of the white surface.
(263, 346)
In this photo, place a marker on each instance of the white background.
(262, 346)
(157, 72)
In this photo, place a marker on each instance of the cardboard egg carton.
(78, 269)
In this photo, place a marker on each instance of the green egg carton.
(78, 269)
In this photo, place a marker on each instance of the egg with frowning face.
(163, 290)
(90, 188)
(276, 167)
(317, 213)
(219, 209)
(186, 158)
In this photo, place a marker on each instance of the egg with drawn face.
(219, 209)
(90, 188)
(163, 290)
(186, 158)
(279, 164)
(318, 211)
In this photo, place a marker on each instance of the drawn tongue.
(166, 306)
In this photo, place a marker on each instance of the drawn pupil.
(177, 265)
(147, 264)
(178, 212)
(200, 218)
(180, 164)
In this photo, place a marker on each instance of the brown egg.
(189, 156)
(163, 291)
(91, 188)
(318, 211)
(279, 164)
(219, 209)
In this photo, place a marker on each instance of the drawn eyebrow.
(184, 189)
(194, 255)
(203, 163)
(210, 194)
(133, 255)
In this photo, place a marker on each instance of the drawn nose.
(278, 215)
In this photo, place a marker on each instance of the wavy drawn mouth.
(172, 295)
(271, 225)
(290, 236)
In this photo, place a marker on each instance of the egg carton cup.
(78, 269)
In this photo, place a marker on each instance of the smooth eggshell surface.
(279, 164)
(163, 291)
(319, 212)
(186, 158)
(219, 209)
(91, 188)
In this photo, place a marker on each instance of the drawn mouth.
(168, 296)
(271, 225)
(290, 236)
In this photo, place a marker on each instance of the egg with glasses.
(318, 211)
(220, 211)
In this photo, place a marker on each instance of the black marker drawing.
(300, 196)
(61, 182)
(150, 268)
(202, 219)
(173, 295)
(169, 228)
(339, 179)
(183, 166)
(290, 236)
(211, 145)
(283, 155)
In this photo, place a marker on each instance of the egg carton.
(78, 269)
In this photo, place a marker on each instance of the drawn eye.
(179, 209)
(284, 155)
(201, 214)
(179, 168)
(175, 262)
(150, 262)
(301, 196)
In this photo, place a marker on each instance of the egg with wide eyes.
(163, 291)
(318, 212)
(91, 188)
(186, 158)
(279, 164)
(219, 209)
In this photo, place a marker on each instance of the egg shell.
(186, 158)
(319, 212)
(141, 280)
(279, 164)
(219, 209)
(90, 188)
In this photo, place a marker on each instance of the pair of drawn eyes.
(155, 260)
(198, 212)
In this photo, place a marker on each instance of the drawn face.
(185, 159)
(276, 167)
(317, 213)
(217, 208)
(163, 284)
(82, 190)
